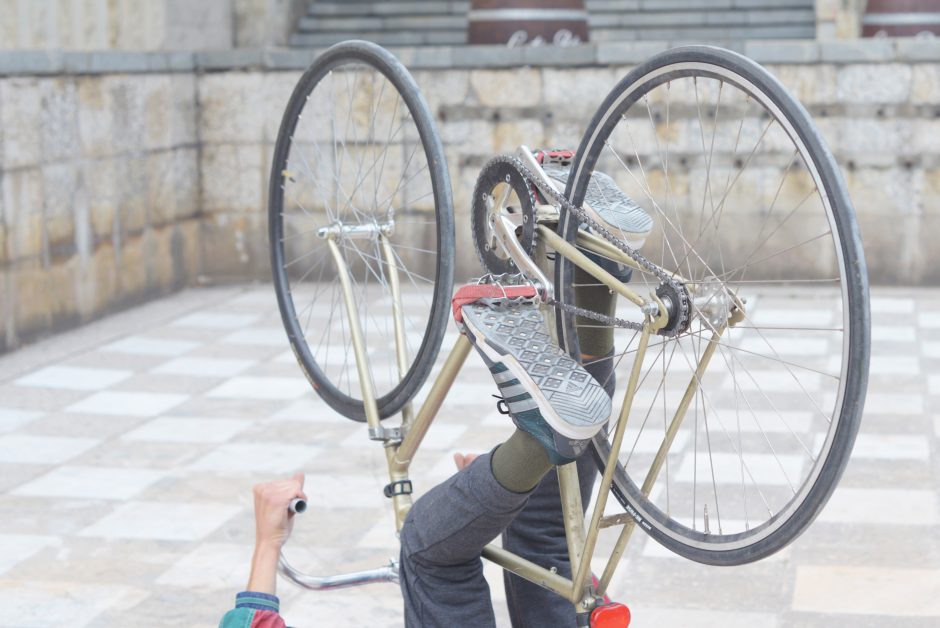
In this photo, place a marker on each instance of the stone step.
(706, 33)
(704, 5)
(635, 19)
(375, 23)
(383, 38)
(324, 8)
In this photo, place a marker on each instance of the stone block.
(506, 88)
(443, 88)
(234, 247)
(627, 52)
(478, 57)
(60, 186)
(867, 141)
(20, 102)
(128, 126)
(161, 188)
(132, 264)
(885, 83)
(507, 136)
(23, 212)
(31, 301)
(466, 133)
(58, 119)
(782, 51)
(8, 27)
(96, 283)
(925, 84)
(132, 194)
(922, 138)
(813, 84)
(234, 178)
(927, 188)
(857, 51)
(183, 109)
(882, 191)
(157, 111)
(95, 117)
(186, 179)
(61, 281)
(100, 179)
(278, 87)
(576, 94)
(232, 107)
(918, 49)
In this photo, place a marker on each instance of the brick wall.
(126, 176)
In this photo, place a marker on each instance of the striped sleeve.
(253, 610)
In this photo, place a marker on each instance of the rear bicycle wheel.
(712, 146)
(358, 160)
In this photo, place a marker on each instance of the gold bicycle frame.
(401, 446)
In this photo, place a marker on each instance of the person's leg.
(538, 534)
(441, 572)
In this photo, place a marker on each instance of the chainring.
(490, 186)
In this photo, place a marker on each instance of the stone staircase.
(444, 22)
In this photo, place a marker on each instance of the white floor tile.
(141, 345)
(170, 521)
(215, 320)
(91, 483)
(907, 507)
(15, 548)
(12, 418)
(764, 469)
(277, 388)
(258, 336)
(867, 591)
(187, 430)
(212, 566)
(881, 333)
(892, 305)
(24, 448)
(310, 409)
(698, 618)
(44, 604)
(930, 350)
(203, 367)
(73, 378)
(242, 458)
(887, 365)
(888, 447)
(137, 404)
(893, 403)
(930, 320)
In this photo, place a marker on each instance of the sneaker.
(604, 200)
(548, 394)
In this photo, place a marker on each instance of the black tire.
(785, 525)
(381, 63)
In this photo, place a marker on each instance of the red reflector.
(611, 616)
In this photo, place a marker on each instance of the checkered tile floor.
(128, 449)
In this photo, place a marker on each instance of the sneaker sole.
(570, 400)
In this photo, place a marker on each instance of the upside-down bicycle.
(738, 413)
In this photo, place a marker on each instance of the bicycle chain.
(682, 295)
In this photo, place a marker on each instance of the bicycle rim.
(358, 154)
(709, 144)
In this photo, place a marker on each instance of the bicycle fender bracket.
(401, 487)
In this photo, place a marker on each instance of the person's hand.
(273, 519)
(273, 524)
(463, 460)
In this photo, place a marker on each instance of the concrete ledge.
(33, 63)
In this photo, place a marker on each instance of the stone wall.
(146, 24)
(127, 176)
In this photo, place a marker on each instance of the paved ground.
(128, 448)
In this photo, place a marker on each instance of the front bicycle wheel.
(749, 206)
(359, 164)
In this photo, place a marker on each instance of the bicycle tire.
(784, 526)
(345, 57)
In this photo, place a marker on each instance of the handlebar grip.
(297, 505)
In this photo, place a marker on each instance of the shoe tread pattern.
(520, 331)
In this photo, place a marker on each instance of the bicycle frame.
(402, 444)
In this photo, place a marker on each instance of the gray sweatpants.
(441, 569)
